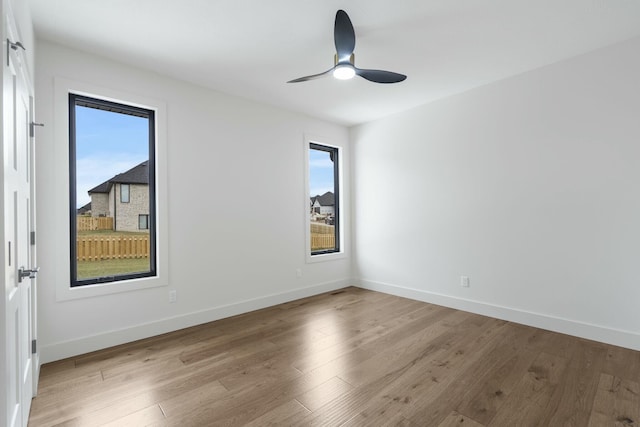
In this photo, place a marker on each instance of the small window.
(111, 168)
(124, 193)
(324, 199)
(143, 222)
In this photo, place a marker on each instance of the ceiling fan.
(344, 68)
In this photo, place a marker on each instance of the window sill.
(325, 257)
(100, 289)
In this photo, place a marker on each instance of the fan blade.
(311, 77)
(344, 36)
(380, 76)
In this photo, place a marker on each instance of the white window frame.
(311, 139)
(64, 291)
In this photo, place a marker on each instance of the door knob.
(31, 274)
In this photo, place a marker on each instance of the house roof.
(105, 187)
(327, 199)
(84, 209)
(136, 175)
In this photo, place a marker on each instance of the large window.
(324, 199)
(112, 191)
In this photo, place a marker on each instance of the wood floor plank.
(477, 390)
(166, 361)
(482, 405)
(367, 340)
(617, 403)
(119, 409)
(54, 368)
(416, 393)
(194, 398)
(150, 415)
(392, 389)
(260, 399)
(324, 393)
(363, 420)
(280, 416)
(455, 419)
(75, 384)
(402, 344)
(272, 370)
(622, 363)
(525, 406)
(247, 404)
(350, 357)
(165, 385)
(572, 401)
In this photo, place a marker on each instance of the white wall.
(226, 254)
(530, 186)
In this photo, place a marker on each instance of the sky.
(107, 144)
(320, 173)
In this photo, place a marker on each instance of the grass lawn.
(111, 267)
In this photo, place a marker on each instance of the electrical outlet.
(298, 272)
(173, 296)
(464, 281)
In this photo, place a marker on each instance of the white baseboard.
(589, 331)
(62, 350)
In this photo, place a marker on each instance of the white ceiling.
(250, 48)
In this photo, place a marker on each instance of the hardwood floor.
(347, 358)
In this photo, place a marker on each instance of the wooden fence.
(90, 223)
(322, 241)
(322, 236)
(94, 248)
(317, 228)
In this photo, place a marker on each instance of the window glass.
(124, 193)
(143, 222)
(324, 209)
(112, 176)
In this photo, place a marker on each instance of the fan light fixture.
(343, 64)
(344, 72)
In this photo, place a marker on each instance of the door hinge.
(33, 238)
(14, 46)
(33, 347)
(32, 128)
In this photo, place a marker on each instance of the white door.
(18, 176)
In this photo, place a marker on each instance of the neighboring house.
(85, 210)
(323, 205)
(125, 197)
